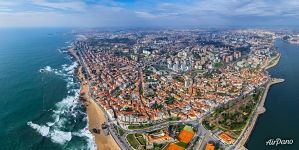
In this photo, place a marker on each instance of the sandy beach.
(95, 115)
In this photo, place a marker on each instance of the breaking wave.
(46, 69)
(43, 130)
(66, 114)
(60, 137)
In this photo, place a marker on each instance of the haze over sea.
(39, 107)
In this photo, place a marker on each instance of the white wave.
(85, 133)
(55, 130)
(67, 70)
(43, 130)
(56, 136)
(46, 69)
(60, 137)
(68, 102)
(50, 124)
(70, 69)
(64, 65)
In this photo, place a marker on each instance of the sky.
(148, 13)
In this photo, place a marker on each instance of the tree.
(157, 106)
(169, 100)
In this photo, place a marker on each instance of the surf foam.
(65, 112)
(60, 137)
(85, 133)
(43, 130)
(47, 69)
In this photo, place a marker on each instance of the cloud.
(7, 3)
(77, 6)
(94, 16)
(107, 13)
(5, 10)
(232, 7)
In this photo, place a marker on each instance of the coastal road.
(163, 125)
(120, 140)
(258, 110)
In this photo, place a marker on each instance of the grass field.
(142, 126)
(141, 140)
(233, 118)
(133, 141)
(136, 141)
(182, 144)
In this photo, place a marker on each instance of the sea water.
(39, 106)
(280, 122)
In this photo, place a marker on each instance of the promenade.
(273, 62)
(259, 110)
(241, 141)
(94, 114)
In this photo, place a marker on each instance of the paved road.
(162, 125)
(120, 140)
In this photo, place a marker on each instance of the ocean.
(39, 106)
(281, 118)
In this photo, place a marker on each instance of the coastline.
(272, 64)
(260, 109)
(95, 115)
